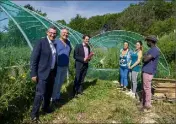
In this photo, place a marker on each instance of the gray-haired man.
(63, 52)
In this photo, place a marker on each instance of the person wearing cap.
(150, 62)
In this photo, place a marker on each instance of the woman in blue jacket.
(124, 64)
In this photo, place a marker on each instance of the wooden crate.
(164, 88)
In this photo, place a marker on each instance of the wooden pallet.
(164, 89)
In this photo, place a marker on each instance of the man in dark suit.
(81, 53)
(43, 70)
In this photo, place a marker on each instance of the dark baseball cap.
(151, 38)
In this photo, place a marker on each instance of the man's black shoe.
(35, 120)
(75, 95)
(55, 102)
(48, 110)
(60, 99)
(81, 93)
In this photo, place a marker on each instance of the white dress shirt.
(53, 51)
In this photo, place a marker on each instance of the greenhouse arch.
(24, 27)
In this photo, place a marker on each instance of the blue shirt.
(63, 53)
(151, 66)
(124, 59)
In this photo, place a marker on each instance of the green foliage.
(16, 89)
(16, 94)
(28, 6)
(62, 22)
(77, 23)
(12, 34)
(140, 18)
(14, 56)
(167, 45)
(161, 8)
(105, 58)
(93, 24)
(162, 27)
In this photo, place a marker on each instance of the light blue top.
(63, 53)
(124, 59)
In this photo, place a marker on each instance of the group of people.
(50, 63)
(131, 64)
(49, 66)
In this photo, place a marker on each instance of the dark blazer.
(79, 56)
(41, 59)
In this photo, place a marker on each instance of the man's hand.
(86, 59)
(89, 58)
(147, 58)
(34, 79)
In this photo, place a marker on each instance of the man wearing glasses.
(43, 71)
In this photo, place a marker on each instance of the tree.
(28, 6)
(62, 22)
(77, 23)
(162, 27)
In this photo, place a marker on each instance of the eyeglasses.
(52, 33)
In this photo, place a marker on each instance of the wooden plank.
(164, 90)
(159, 95)
(165, 85)
(164, 80)
(170, 95)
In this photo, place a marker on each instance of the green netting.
(32, 25)
(21, 28)
(107, 47)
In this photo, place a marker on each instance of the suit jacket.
(79, 56)
(41, 60)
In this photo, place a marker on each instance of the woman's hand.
(130, 67)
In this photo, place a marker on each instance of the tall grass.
(11, 56)
(16, 89)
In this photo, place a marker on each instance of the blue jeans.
(59, 80)
(123, 76)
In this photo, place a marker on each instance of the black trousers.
(44, 89)
(79, 79)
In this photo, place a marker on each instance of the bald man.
(63, 50)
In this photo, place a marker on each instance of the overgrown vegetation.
(102, 102)
(16, 94)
